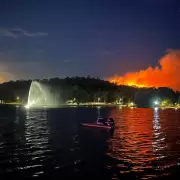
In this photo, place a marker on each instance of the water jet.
(41, 95)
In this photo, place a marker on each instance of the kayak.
(96, 125)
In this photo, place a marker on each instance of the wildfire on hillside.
(166, 75)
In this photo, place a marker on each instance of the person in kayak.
(106, 122)
(110, 122)
(101, 120)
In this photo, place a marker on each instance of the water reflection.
(140, 143)
(36, 133)
(159, 137)
(50, 143)
(19, 126)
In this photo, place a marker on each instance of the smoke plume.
(166, 75)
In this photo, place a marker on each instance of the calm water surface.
(50, 143)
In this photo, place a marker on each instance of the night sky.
(41, 38)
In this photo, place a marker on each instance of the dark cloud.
(19, 32)
(66, 61)
(107, 52)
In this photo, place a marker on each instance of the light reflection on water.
(141, 141)
(49, 142)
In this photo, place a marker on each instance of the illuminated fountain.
(40, 96)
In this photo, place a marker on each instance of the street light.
(156, 102)
(121, 100)
(99, 99)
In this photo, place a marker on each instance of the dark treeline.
(88, 90)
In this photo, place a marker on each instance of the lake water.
(50, 143)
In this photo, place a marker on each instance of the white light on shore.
(156, 102)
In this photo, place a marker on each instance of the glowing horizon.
(165, 76)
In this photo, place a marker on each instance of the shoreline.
(98, 105)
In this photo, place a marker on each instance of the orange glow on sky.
(166, 75)
(2, 79)
(5, 77)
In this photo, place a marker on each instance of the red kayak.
(96, 125)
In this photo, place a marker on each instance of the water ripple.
(148, 143)
(40, 143)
